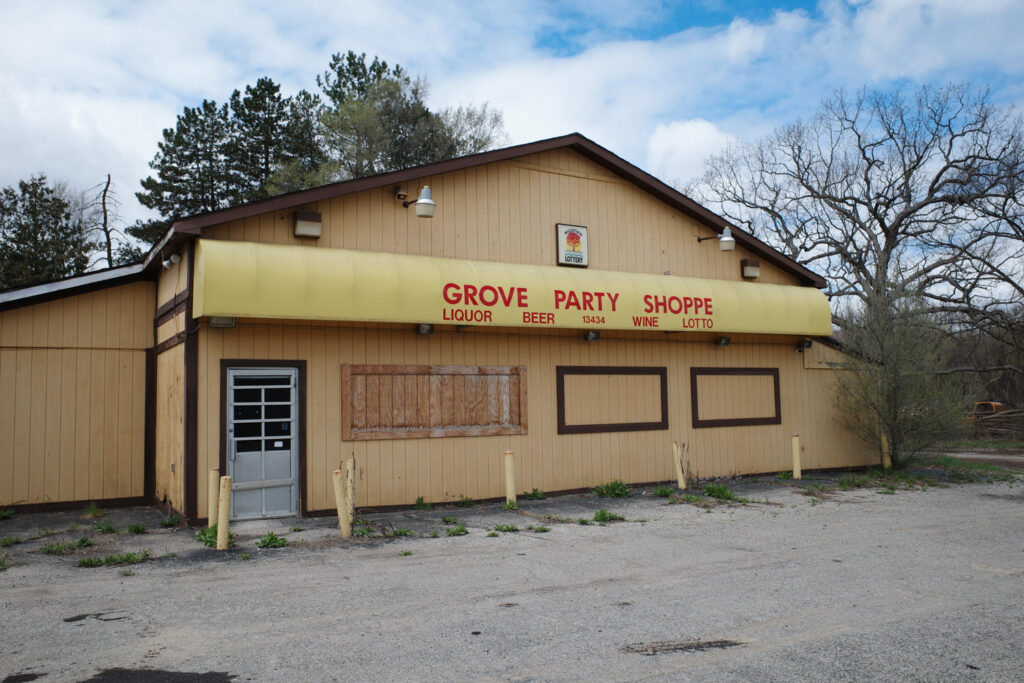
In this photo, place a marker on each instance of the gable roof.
(194, 225)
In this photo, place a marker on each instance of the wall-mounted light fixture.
(591, 335)
(722, 341)
(726, 242)
(803, 345)
(751, 268)
(224, 321)
(424, 328)
(424, 203)
(170, 261)
(307, 224)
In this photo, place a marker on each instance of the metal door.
(263, 462)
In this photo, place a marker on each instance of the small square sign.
(571, 243)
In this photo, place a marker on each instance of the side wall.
(394, 472)
(73, 396)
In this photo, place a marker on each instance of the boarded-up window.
(423, 401)
(611, 399)
(734, 397)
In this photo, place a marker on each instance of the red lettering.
(470, 292)
(522, 297)
(698, 304)
(451, 298)
(600, 300)
(648, 306)
(687, 304)
(674, 305)
(506, 299)
(493, 293)
(588, 301)
(707, 306)
(572, 301)
(559, 298)
(614, 299)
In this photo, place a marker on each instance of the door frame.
(243, 363)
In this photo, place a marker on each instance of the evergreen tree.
(40, 238)
(257, 144)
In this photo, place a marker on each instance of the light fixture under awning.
(249, 280)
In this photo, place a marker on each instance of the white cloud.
(676, 151)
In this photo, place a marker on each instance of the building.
(560, 303)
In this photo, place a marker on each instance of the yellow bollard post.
(886, 456)
(212, 493)
(510, 478)
(344, 523)
(350, 490)
(224, 513)
(677, 459)
(796, 456)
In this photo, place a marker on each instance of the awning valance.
(245, 279)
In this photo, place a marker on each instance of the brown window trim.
(562, 370)
(347, 371)
(739, 421)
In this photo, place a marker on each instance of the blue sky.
(87, 86)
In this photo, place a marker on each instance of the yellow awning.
(249, 280)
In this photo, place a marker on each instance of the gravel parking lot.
(920, 584)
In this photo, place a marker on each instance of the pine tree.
(40, 239)
(257, 145)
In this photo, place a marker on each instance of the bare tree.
(888, 193)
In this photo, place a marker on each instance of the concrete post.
(510, 478)
(212, 494)
(224, 513)
(796, 456)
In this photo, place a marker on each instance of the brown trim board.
(300, 365)
(149, 440)
(739, 421)
(171, 342)
(170, 308)
(191, 459)
(562, 370)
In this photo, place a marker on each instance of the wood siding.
(170, 433)
(612, 399)
(72, 396)
(735, 397)
(507, 212)
(395, 472)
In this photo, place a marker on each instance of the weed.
(90, 562)
(208, 537)
(815, 501)
(888, 490)
(92, 511)
(72, 528)
(364, 531)
(449, 519)
(137, 528)
(171, 520)
(62, 548)
(720, 491)
(271, 540)
(296, 528)
(170, 554)
(3, 564)
(47, 532)
(127, 572)
(535, 494)
(83, 542)
(613, 489)
(8, 541)
(459, 530)
(434, 534)
(405, 553)
(816, 491)
(400, 531)
(664, 491)
(301, 543)
(785, 475)
(465, 502)
(104, 526)
(539, 529)
(951, 463)
(582, 521)
(605, 516)
(492, 534)
(420, 504)
(6, 513)
(687, 498)
(509, 505)
(851, 481)
(245, 556)
(507, 528)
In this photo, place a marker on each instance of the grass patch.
(92, 511)
(62, 548)
(948, 462)
(420, 504)
(539, 529)
(137, 528)
(852, 481)
(535, 494)
(400, 531)
(3, 564)
(405, 553)
(603, 516)
(664, 491)
(127, 572)
(6, 513)
(613, 489)
(434, 534)
(363, 531)
(583, 521)
(171, 520)
(507, 528)
(509, 505)
(115, 559)
(208, 537)
(271, 540)
(492, 534)
(459, 530)
(983, 444)
(449, 519)
(48, 532)
(785, 475)
(104, 526)
(8, 541)
(721, 492)
(816, 491)
(465, 502)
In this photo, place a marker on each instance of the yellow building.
(559, 303)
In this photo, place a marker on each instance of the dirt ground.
(803, 580)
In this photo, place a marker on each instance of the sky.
(86, 86)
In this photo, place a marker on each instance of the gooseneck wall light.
(726, 242)
(424, 203)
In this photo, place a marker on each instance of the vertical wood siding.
(72, 396)
(170, 433)
(612, 399)
(392, 472)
